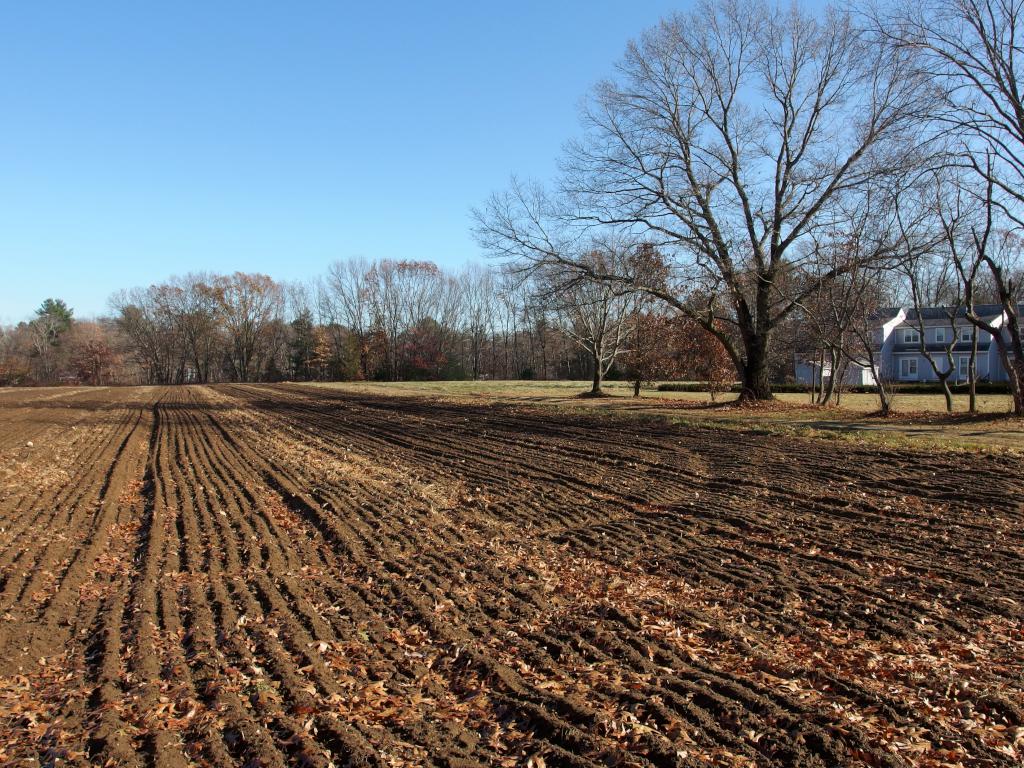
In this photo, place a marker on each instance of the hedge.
(919, 388)
(691, 386)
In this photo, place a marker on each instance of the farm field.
(270, 575)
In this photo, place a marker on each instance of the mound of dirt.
(590, 395)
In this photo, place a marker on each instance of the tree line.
(363, 320)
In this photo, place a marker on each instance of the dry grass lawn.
(920, 420)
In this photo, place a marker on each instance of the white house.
(898, 348)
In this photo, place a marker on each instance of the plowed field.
(280, 575)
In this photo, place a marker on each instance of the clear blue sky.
(139, 141)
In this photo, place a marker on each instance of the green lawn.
(920, 421)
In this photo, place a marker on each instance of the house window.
(940, 335)
(911, 336)
(963, 366)
(966, 333)
(908, 368)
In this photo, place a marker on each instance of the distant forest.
(363, 320)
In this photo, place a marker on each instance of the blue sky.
(139, 141)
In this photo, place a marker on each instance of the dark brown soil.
(280, 575)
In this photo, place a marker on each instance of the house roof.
(937, 315)
(884, 315)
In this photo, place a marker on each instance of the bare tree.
(869, 300)
(479, 299)
(934, 285)
(44, 333)
(191, 304)
(344, 305)
(13, 360)
(447, 312)
(515, 307)
(251, 307)
(828, 313)
(596, 314)
(524, 325)
(155, 343)
(53, 319)
(401, 295)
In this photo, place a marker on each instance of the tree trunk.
(972, 373)
(842, 364)
(884, 403)
(818, 378)
(947, 393)
(364, 356)
(1017, 385)
(596, 388)
(754, 374)
(883, 399)
(1014, 349)
(636, 388)
(828, 391)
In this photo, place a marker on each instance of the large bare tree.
(344, 300)
(191, 304)
(730, 135)
(401, 295)
(479, 301)
(155, 342)
(251, 307)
